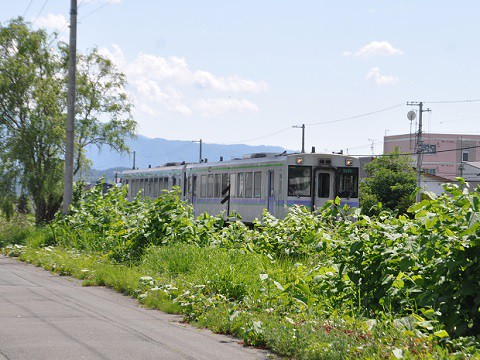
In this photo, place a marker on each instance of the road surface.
(44, 316)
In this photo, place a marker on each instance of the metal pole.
(134, 154)
(200, 157)
(419, 150)
(70, 122)
(303, 138)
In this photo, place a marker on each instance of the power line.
(94, 11)
(451, 101)
(41, 9)
(28, 7)
(356, 116)
(318, 123)
(260, 137)
(415, 153)
(167, 153)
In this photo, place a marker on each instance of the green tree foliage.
(23, 206)
(391, 182)
(423, 269)
(33, 84)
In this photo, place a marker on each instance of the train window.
(224, 182)
(194, 185)
(147, 187)
(160, 186)
(323, 183)
(141, 186)
(240, 185)
(280, 182)
(248, 184)
(203, 186)
(257, 184)
(218, 185)
(154, 187)
(299, 180)
(210, 186)
(348, 182)
(233, 187)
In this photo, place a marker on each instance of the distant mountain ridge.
(159, 151)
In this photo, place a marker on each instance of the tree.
(33, 91)
(391, 181)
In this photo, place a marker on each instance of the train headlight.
(299, 160)
(348, 162)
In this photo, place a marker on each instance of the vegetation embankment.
(336, 284)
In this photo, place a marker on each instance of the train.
(253, 183)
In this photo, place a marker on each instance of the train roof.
(257, 158)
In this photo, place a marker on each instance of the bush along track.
(330, 284)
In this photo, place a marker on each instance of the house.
(445, 155)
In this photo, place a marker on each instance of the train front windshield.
(299, 181)
(348, 182)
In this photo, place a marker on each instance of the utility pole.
(70, 123)
(200, 159)
(303, 135)
(420, 146)
(372, 146)
(461, 157)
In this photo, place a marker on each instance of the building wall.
(443, 154)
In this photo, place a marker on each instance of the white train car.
(152, 181)
(256, 182)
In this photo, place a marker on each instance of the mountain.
(159, 151)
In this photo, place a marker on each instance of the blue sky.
(247, 71)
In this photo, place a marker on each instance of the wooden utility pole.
(70, 123)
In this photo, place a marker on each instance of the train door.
(324, 187)
(271, 192)
(194, 190)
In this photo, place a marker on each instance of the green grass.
(307, 286)
(241, 309)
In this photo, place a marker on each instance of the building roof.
(435, 177)
(473, 163)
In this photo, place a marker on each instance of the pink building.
(444, 155)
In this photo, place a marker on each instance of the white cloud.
(158, 84)
(219, 107)
(379, 79)
(146, 109)
(52, 21)
(206, 80)
(375, 48)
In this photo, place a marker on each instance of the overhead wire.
(166, 153)
(451, 101)
(28, 7)
(41, 9)
(260, 137)
(94, 11)
(356, 116)
(415, 153)
(318, 123)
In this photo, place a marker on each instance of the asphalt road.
(44, 316)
